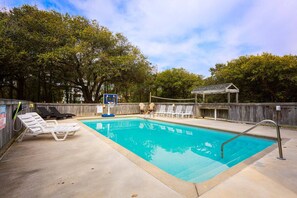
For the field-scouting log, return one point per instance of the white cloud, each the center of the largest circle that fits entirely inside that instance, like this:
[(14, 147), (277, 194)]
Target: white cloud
[(197, 34), (169, 31), (271, 26)]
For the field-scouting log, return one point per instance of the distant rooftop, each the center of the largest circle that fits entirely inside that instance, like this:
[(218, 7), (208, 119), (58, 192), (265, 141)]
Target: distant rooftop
[(216, 89)]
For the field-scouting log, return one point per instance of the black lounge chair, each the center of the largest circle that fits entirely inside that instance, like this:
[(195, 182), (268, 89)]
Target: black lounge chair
[(43, 112), (56, 113)]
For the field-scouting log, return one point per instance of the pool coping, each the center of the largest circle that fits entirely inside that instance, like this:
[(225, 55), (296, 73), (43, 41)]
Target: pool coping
[(185, 188)]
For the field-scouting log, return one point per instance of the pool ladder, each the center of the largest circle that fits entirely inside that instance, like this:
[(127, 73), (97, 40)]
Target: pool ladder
[(279, 140)]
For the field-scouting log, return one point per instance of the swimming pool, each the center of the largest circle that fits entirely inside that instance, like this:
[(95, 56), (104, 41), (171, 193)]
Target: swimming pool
[(189, 153)]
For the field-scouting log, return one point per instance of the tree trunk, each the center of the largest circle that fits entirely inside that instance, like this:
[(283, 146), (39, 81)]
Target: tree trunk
[(45, 90), (38, 87), (21, 88), (67, 94), (50, 95), (97, 95), (87, 95), (11, 89)]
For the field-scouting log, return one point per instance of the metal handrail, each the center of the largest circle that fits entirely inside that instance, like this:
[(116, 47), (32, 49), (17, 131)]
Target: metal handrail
[(279, 141)]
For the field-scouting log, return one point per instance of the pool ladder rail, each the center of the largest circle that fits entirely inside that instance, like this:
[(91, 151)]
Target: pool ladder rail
[(279, 140)]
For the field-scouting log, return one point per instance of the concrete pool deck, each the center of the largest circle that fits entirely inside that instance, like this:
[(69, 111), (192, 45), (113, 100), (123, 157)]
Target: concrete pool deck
[(86, 166)]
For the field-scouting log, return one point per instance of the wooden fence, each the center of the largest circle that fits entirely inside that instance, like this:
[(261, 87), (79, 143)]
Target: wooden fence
[(238, 112), (255, 112), (250, 112), (90, 109), (12, 129)]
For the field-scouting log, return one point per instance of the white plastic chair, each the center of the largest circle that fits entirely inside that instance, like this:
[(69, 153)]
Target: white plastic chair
[(169, 111), (161, 111), (178, 110), (34, 128), (188, 111)]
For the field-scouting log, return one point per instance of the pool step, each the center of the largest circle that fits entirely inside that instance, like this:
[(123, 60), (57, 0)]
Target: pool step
[(208, 168), (199, 169)]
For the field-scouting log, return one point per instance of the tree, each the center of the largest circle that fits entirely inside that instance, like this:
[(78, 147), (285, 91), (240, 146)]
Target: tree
[(45, 54), (94, 57), (26, 33), (261, 78), (177, 83)]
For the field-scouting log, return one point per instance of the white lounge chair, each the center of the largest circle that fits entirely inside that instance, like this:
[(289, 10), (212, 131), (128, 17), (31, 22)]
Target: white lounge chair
[(169, 111), (178, 110), (47, 123), (34, 128), (161, 111), (188, 112)]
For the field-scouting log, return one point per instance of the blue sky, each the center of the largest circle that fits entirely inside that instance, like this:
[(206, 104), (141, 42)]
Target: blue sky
[(193, 34)]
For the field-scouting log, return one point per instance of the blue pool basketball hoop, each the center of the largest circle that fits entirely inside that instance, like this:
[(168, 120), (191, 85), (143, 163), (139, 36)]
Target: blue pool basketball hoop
[(110, 100)]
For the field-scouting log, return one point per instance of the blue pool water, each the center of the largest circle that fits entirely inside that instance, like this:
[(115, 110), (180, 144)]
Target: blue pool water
[(189, 153)]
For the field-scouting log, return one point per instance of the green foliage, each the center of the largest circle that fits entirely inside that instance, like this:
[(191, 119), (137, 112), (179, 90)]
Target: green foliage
[(45, 53), (26, 34), (261, 78), (177, 83)]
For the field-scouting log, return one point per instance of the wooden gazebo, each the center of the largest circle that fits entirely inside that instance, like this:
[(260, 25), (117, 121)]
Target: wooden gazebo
[(226, 88)]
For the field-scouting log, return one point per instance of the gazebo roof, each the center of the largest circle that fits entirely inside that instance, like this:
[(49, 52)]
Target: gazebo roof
[(216, 89)]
